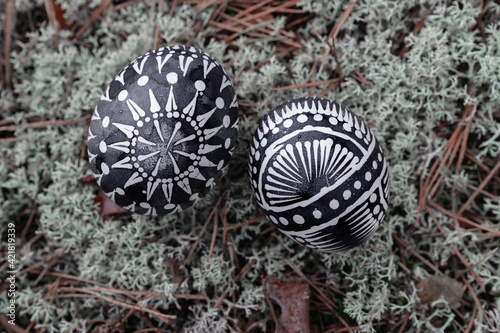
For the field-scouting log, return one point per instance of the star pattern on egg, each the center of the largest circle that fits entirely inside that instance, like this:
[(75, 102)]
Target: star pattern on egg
[(163, 131)]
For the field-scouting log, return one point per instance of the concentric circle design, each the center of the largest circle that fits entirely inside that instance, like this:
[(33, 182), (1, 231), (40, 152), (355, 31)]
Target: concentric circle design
[(320, 174), (164, 130)]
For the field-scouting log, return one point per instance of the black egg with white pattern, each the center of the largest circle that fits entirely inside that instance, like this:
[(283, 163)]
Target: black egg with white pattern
[(164, 130), (320, 174)]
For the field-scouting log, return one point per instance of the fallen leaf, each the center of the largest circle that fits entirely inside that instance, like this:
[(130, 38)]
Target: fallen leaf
[(173, 264), (108, 208), (433, 288)]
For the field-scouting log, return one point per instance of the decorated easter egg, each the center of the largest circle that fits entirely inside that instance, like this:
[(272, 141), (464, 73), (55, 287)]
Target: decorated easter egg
[(163, 131), (319, 174)]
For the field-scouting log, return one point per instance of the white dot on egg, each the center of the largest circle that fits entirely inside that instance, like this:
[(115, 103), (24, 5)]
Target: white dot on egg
[(317, 213), (176, 114), (373, 197), (172, 78), (105, 121), (347, 194), (358, 134), (143, 80), (122, 95), (357, 184), (147, 119), (219, 102), (302, 118), (368, 176), (273, 219), (104, 168), (226, 121), (283, 221), (298, 219), (220, 165), (375, 165), (333, 121), (287, 123), (227, 143), (103, 147), (334, 204), (376, 210), (379, 156), (263, 142), (140, 123), (200, 85), (276, 130), (318, 117), (136, 165), (257, 155)]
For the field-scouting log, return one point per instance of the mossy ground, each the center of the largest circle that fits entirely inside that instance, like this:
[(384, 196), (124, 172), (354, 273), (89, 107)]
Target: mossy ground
[(424, 75)]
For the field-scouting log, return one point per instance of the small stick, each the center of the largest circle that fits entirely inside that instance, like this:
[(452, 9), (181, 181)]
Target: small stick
[(268, 300), (328, 302), (236, 226), (135, 293), (202, 232), (157, 30), (336, 28), (124, 304), (306, 85), (480, 187), (416, 254), (495, 233), (95, 15), (9, 14), (214, 236), (44, 124), (243, 271)]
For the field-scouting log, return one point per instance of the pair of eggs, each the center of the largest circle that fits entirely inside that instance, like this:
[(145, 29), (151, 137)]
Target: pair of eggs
[(165, 128)]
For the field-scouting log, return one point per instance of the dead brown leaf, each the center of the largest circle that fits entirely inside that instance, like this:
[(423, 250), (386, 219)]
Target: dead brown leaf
[(108, 208), (173, 264), (433, 288)]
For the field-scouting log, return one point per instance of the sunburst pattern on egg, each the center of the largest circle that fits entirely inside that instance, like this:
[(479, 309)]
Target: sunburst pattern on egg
[(163, 131), (319, 174)]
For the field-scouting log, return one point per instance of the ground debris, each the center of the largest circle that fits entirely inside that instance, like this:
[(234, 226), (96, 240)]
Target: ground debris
[(292, 295), (440, 285)]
